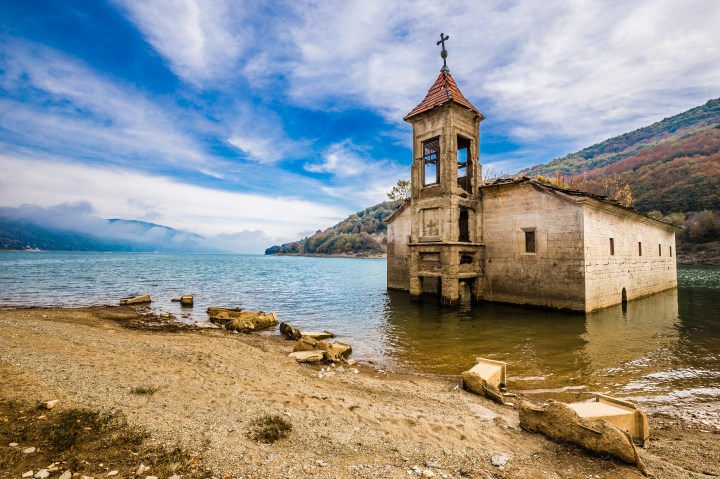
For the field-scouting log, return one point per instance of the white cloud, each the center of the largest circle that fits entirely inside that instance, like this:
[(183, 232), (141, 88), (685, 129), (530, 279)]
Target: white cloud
[(116, 193), (602, 68), (201, 39), (75, 111), (343, 159), (578, 71), (356, 175)]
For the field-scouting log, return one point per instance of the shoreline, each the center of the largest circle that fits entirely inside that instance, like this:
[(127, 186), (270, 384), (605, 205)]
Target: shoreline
[(685, 258), (211, 384), (320, 255)]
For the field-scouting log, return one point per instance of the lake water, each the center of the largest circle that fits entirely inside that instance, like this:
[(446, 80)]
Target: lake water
[(662, 351)]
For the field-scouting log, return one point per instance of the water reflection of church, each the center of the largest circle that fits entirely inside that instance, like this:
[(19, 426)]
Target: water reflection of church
[(518, 240)]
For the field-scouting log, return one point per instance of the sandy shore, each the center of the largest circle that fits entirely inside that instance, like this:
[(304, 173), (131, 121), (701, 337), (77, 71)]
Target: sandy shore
[(212, 384)]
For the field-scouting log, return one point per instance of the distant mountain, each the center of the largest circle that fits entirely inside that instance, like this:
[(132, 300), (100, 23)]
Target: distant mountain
[(113, 235), (671, 166), (360, 234)]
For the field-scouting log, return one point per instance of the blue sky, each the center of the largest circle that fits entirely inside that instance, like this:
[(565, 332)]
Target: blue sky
[(259, 123)]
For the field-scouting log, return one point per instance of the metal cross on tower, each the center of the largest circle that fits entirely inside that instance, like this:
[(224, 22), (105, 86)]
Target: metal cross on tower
[(444, 52)]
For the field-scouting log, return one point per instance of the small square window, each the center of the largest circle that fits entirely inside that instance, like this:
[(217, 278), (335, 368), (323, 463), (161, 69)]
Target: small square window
[(612, 246), (466, 259), (530, 241)]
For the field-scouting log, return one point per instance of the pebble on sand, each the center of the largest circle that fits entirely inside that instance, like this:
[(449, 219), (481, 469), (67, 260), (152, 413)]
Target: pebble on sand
[(42, 474), (113, 472), (66, 475), (28, 474), (28, 450), (499, 460), (13, 444)]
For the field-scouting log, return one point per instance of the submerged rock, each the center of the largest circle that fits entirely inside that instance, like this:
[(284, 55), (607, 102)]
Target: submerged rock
[(145, 298), (186, 300)]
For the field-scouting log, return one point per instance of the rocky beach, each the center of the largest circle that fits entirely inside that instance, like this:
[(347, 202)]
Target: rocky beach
[(191, 400)]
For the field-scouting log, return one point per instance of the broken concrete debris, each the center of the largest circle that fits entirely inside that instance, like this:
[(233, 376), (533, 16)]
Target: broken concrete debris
[(145, 298), (186, 300), (486, 378), (560, 422), (242, 321), (622, 414), (294, 333), (308, 356), (313, 341), (335, 350), (289, 332), (318, 334)]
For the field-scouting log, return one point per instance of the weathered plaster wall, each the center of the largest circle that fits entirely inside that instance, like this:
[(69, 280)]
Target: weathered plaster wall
[(553, 276), (607, 274), (398, 252)]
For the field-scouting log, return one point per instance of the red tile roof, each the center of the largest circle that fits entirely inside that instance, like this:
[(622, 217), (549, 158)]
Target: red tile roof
[(443, 90)]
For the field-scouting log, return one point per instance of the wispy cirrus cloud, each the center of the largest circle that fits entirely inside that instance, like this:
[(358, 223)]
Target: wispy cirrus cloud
[(55, 103), (577, 71), (200, 39)]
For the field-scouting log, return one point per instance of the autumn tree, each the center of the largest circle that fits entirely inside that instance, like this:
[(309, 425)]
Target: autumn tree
[(400, 193)]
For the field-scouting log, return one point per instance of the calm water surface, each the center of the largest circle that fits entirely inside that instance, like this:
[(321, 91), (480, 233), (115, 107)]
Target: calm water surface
[(662, 351)]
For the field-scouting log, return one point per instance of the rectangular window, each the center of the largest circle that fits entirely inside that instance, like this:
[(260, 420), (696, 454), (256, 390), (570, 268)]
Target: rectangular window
[(431, 165), (463, 156), (659, 250), (466, 259), (463, 226), (671, 251), (530, 241), (612, 246), (639, 248)]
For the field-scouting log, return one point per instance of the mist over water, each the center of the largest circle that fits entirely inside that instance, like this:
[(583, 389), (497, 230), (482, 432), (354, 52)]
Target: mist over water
[(662, 351)]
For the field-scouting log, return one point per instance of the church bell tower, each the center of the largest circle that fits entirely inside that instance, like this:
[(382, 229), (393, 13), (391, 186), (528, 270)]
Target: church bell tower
[(446, 226)]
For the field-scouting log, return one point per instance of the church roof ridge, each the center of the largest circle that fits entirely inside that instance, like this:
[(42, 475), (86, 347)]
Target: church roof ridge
[(516, 180), (442, 91)]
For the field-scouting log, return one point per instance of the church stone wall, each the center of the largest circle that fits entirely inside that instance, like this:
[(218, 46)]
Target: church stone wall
[(398, 231), (607, 274), (553, 276)]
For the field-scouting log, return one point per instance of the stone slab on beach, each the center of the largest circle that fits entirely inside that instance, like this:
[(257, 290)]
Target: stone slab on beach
[(308, 356), (145, 298)]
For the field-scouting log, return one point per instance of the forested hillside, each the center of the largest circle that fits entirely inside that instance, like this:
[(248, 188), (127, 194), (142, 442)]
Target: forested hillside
[(672, 168), (111, 235), (630, 144), (360, 234)]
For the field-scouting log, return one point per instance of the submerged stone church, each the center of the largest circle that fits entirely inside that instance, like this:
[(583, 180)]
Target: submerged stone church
[(517, 240)]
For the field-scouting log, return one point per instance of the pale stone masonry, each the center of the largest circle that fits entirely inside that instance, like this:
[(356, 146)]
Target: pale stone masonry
[(516, 241)]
